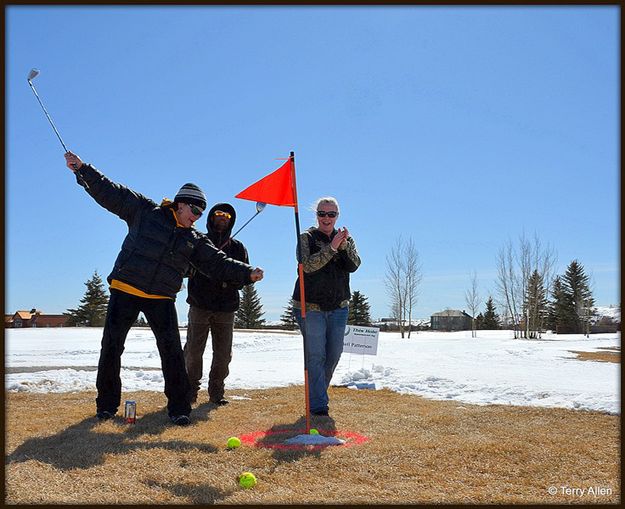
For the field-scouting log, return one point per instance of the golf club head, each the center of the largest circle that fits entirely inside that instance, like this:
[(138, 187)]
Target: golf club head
[(33, 74), (260, 206)]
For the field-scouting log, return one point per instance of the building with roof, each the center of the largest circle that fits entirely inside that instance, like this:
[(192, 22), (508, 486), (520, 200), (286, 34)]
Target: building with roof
[(33, 318), (450, 320)]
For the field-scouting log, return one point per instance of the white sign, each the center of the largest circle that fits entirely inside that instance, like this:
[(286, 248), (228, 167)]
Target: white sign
[(363, 340)]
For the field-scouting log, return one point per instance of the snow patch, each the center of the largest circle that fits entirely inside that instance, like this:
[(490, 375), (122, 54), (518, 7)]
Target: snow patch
[(493, 368), (314, 440)]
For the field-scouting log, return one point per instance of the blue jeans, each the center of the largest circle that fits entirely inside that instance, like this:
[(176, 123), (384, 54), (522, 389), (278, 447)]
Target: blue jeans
[(324, 335)]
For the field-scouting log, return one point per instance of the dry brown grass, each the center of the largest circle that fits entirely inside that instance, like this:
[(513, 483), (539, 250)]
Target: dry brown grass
[(609, 355), (419, 451)]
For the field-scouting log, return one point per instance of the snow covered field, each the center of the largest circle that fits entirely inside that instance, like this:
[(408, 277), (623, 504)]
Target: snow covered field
[(492, 368)]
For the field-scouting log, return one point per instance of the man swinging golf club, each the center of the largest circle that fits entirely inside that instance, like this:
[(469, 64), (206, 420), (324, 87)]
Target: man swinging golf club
[(157, 252)]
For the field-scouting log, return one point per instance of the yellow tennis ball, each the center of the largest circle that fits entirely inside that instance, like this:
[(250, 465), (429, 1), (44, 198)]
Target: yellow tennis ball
[(247, 480), (234, 442), (313, 431)]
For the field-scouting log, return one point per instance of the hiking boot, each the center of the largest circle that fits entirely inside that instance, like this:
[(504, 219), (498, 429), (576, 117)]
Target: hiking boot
[(219, 402), (104, 415), (180, 420)]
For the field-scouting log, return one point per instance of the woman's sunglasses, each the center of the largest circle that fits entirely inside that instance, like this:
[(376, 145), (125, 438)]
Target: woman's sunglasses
[(323, 213)]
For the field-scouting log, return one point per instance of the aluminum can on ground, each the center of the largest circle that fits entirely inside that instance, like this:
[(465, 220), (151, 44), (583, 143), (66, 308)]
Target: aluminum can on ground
[(130, 412)]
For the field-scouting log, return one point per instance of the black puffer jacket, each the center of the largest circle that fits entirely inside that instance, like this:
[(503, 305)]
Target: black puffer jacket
[(213, 294), (156, 253)]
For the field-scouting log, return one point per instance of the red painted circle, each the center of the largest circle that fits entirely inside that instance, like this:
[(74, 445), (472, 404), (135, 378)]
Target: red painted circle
[(253, 439)]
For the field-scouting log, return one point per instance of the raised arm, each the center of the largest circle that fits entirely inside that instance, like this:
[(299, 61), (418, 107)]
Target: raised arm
[(114, 197)]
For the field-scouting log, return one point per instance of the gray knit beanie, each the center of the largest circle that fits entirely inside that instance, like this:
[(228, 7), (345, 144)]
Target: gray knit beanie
[(190, 193)]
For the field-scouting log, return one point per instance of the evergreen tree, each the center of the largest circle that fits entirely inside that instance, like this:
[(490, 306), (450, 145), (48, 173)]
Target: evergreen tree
[(92, 309), (535, 305), (577, 285), (287, 319), (140, 321), (560, 317), (479, 322), (490, 320), (250, 310), (359, 310), (573, 304)]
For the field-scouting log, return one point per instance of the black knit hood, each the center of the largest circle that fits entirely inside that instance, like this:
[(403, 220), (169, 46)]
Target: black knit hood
[(216, 236), (218, 294)]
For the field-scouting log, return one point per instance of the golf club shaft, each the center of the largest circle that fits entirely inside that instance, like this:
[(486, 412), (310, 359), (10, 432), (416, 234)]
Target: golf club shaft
[(47, 115), (232, 236)]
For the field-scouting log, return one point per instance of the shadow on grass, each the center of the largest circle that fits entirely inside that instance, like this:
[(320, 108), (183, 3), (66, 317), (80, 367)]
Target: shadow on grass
[(202, 411), (195, 494), (275, 438), (83, 446)]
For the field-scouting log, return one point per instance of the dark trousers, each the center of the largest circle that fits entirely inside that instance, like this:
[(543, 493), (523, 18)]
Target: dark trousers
[(220, 325), (123, 310)]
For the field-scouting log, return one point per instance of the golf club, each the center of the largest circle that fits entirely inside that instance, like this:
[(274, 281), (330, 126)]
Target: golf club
[(260, 206), (31, 76)]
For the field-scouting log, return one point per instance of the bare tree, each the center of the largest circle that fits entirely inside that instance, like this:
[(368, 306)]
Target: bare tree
[(472, 298), (402, 280), (413, 279), (542, 264), (393, 281), (515, 271), (508, 286), (525, 269), (397, 316)]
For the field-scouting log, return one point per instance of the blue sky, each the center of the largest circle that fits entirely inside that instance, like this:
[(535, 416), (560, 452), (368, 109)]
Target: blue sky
[(459, 127)]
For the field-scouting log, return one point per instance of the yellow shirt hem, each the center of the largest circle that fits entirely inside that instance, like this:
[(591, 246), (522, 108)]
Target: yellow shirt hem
[(126, 288)]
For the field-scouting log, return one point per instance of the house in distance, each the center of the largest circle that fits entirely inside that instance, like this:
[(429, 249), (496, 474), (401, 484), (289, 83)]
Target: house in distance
[(450, 320), (33, 318)]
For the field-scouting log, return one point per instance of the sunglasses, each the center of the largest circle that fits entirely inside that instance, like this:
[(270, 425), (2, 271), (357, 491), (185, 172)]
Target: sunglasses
[(323, 213), (196, 211), (221, 213)]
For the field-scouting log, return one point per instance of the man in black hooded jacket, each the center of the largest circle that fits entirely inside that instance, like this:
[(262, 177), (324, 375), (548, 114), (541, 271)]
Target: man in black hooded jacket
[(213, 303)]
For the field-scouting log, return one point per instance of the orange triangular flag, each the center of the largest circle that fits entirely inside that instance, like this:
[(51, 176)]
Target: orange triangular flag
[(276, 188)]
